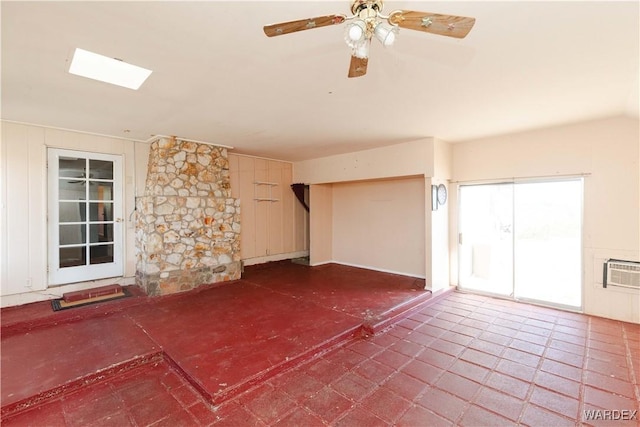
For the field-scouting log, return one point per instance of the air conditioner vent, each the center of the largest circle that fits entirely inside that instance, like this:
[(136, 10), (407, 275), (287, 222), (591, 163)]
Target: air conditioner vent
[(621, 273)]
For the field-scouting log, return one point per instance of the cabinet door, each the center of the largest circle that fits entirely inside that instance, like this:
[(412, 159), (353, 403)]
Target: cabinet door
[(261, 174), (276, 229), (288, 212), (246, 186)]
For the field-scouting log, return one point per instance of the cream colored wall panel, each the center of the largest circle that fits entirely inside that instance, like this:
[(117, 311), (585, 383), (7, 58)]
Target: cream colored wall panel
[(25, 232), (268, 227), (380, 225), (69, 140), (3, 211), (129, 190), (546, 152), (246, 189), (141, 155), (400, 160), (276, 208), (261, 174), (321, 224), (611, 193), (288, 211), (234, 175)]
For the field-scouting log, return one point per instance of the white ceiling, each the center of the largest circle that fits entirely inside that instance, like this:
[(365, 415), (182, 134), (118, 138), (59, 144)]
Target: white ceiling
[(217, 77)]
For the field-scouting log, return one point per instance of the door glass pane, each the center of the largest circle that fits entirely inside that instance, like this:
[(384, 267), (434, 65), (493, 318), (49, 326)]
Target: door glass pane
[(72, 234), (72, 211), (101, 254), (72, 189), (72, 167), (485, 250), (100, 169), (101, 190), (548, 228), (101, 211), (73, 257), (101, 233)]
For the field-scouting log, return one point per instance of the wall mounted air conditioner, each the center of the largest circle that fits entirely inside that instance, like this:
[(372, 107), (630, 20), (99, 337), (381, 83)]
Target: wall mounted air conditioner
[(625, 274)]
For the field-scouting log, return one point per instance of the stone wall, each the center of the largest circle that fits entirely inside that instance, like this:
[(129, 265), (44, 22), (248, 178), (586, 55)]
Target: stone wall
[(188, 225)]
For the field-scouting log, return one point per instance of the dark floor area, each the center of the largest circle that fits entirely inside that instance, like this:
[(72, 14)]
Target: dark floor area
[(285, 346)]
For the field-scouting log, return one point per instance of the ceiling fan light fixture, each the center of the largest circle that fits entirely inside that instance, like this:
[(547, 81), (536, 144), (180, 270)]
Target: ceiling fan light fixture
[(355, 32), (386, 33)]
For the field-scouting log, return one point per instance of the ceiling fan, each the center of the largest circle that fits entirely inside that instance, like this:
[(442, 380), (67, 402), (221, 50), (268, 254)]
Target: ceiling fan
[(82, 179), (367, 21)]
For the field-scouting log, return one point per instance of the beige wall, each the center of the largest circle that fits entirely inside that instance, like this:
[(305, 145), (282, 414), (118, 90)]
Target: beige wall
[(605, 151), (401, 175), (439, 219), (380, 225), (23, 227), (409, 159), (321, 223)]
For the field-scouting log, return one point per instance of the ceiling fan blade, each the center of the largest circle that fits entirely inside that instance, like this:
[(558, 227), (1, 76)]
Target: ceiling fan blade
[(302, 24), (358, 66), (444, 25)]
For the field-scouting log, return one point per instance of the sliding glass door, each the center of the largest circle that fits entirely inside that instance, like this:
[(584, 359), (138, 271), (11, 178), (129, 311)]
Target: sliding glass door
[(523, 240), (485, 239), (548, 242)]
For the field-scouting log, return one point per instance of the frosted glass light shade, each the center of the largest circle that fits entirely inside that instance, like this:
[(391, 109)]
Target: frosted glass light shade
[(385, 33), (355, 33)]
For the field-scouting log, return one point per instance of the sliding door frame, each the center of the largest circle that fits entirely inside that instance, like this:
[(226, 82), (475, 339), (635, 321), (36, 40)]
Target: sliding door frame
[(514, 181)]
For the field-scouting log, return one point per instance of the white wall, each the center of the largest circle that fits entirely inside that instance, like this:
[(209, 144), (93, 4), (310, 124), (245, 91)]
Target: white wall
[(439, 219), (380, 225), (320, 223), (607, 152), (23, 249), (409, 159)]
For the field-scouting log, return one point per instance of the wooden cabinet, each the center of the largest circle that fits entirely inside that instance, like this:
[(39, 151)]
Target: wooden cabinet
[(273, 222)]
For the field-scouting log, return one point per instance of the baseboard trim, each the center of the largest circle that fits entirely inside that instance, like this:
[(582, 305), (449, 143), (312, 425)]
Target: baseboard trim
[(277, 257), (381, 270)]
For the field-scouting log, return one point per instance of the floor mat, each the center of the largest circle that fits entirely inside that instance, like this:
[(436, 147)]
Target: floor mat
[(61, 304)]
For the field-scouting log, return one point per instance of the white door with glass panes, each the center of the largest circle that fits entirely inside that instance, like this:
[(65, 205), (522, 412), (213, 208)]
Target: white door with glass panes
[(85, 217)]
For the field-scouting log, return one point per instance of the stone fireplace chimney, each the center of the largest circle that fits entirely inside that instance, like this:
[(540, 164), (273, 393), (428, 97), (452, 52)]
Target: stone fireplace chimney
[(188, 226)]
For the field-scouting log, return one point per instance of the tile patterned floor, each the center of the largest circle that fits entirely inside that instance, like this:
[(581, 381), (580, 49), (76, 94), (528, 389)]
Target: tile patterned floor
[(464, 360)]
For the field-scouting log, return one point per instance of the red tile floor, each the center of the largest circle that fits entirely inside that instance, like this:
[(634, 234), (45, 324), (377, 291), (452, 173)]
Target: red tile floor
[(246, 353)]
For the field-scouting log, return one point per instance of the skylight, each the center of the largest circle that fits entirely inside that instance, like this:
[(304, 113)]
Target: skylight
[(109, 70)]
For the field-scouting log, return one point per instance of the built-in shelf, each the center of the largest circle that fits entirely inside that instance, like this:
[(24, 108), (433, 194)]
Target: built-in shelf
[(265, 199)]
